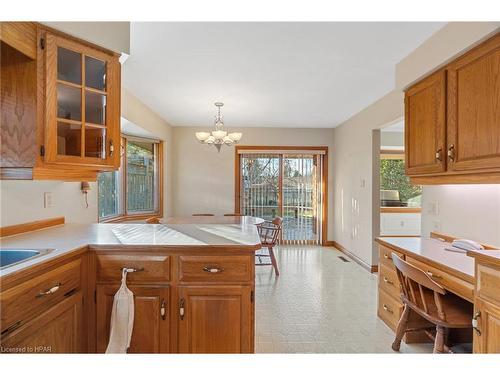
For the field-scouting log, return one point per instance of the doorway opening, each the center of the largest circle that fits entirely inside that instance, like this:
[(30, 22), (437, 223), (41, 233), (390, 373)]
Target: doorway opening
[(284, 181)]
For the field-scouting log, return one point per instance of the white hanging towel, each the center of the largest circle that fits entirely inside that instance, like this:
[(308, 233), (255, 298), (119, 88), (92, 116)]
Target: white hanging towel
[(122, 318)]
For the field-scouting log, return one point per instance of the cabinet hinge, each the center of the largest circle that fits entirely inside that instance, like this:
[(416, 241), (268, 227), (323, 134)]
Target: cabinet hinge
[(42, 43), (42, 150), (252, 296)]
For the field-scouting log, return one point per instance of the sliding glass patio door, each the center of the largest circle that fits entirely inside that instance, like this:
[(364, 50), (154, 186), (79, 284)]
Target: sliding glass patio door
[(287, 184)]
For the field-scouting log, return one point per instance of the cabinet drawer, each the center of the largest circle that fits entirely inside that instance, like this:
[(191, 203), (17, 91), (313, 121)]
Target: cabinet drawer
[(488, 283), (216, 268), (389, 309), (452, 283), (385, 256), (38, 294), (152, 268), (388, 280)]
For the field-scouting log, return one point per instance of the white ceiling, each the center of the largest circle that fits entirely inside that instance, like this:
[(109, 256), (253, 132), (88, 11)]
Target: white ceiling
[(268, 74)]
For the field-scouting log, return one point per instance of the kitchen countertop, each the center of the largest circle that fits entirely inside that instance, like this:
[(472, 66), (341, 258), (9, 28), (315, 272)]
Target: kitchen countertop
[(203, 232), (433, 250)]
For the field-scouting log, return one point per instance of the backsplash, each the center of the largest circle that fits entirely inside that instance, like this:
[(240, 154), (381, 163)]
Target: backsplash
[(470, 211), (23, 201)]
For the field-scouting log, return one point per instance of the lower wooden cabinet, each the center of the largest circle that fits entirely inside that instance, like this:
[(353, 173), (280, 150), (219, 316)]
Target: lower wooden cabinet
[(487, 335), (151, 333), (215, 319), (57, 330)]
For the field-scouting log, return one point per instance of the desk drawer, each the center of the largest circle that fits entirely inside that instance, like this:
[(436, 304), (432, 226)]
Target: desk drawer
[(452, 283), (385, 256), (216, 268), (389, 309), (388, 281), (153, 268), (38, 294)]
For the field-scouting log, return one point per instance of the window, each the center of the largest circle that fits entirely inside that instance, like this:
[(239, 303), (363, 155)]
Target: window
[(396, 188), (134, 191)]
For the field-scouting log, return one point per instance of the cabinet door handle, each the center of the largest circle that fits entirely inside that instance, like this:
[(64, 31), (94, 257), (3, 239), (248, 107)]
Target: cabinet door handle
[(434, 275), (163, 309), (132, 269), (386, 308), (181, 308), (386, 256), (451, 153), (387, 281), (439, 154), (213, 269), (475, 323), (52, 290), (111, 147)]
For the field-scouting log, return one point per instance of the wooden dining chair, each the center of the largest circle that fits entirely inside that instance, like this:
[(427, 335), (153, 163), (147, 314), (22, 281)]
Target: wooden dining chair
[(269, 232), (427, 305), (153, 220), (203, 215)]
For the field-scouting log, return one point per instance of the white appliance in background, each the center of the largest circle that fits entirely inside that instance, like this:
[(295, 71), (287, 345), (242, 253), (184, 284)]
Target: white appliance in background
[(407, 224), (462, 245)]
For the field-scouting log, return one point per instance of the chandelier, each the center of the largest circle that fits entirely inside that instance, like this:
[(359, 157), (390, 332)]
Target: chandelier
[(219, 136)]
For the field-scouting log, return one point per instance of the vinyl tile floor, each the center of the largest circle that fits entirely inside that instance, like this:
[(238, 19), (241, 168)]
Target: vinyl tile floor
[(320, 304)]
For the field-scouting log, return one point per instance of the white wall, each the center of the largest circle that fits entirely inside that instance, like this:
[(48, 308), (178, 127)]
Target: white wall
[(355, 156), (470, 211), (204, 179), (22, 201), (392, 139)]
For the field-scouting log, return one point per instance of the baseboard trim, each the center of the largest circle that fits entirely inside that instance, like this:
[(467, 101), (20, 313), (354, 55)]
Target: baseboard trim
[(355, 258)]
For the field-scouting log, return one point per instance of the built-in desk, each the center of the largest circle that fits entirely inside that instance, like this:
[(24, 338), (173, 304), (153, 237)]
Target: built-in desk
[(474, 276)]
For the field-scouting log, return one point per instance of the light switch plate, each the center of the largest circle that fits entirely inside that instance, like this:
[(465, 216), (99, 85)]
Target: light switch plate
[(48, 200)]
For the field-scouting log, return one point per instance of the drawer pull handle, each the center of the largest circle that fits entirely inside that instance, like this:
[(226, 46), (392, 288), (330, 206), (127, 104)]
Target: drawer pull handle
[(52, 290), (163, 310), (181, 308), (387, 281), (475, 323), (434, 275), (386, 308), (131, 269), (213, 269), (13, 327)]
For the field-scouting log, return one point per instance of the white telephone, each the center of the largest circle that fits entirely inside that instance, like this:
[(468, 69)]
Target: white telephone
[(462, 245)]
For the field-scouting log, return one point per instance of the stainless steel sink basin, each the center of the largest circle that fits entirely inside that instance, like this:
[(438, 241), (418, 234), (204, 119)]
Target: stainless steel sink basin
[(10, 257)]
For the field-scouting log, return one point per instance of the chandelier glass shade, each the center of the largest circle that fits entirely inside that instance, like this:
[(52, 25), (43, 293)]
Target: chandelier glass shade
[(218, 136)]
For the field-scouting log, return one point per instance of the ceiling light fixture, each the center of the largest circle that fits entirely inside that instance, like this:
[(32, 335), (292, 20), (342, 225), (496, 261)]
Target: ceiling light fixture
[(219, 136)]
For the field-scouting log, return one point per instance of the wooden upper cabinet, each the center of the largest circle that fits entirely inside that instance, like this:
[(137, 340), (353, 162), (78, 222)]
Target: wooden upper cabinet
[(151, 332), (82, 103), (216, 319), (474, 109), (425, 126)]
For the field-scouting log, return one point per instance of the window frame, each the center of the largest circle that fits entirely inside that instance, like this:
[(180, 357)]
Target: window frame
[(124, 215)]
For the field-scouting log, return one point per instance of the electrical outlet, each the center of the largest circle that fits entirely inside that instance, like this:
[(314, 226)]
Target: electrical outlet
[(436, 226), (48, 200)]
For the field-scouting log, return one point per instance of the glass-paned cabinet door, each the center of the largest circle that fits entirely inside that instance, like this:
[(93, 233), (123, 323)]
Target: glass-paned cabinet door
[(78, 92)]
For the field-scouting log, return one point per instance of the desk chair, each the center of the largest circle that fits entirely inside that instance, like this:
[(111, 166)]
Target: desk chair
[(427, 305), (269, 232)]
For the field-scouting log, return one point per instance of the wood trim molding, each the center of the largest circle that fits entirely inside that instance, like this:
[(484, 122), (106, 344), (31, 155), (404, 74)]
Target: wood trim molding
[(449, 238), (12, 230), (400, 210), (324, 178), (455, 178), (355, 258)]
